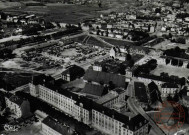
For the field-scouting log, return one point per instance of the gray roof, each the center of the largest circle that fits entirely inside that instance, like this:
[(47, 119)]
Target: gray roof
[(50, 122), (104, 77), (93, 89)]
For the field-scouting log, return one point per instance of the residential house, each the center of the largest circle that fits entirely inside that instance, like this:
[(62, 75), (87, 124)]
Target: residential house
[(138, 50), (131, 17), (112, 97), (120, 107), (118, 53), (19, 107), (51, 126), (169, 88), (114, 123)]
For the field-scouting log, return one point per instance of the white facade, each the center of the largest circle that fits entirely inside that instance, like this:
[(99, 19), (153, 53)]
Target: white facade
[(61, 102), (111, 126), (99, 120), (167, 91), (146, 80), (97, 68), (14, 108)]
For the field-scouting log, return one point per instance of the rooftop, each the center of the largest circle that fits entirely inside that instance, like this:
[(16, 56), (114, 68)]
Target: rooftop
[(16, 100), (110, 65), (119, 90), (119, 105), (55, 125), (140, 92), (169, 85), (108, 97), (129, 114), (93, 89), (133, 123), (104, 77)]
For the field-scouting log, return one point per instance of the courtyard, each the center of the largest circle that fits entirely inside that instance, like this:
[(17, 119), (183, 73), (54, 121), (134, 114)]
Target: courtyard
[(171, 70)]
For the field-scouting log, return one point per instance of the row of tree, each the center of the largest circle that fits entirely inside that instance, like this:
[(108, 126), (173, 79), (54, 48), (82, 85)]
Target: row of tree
[(146, 68), (175, 52), (6, 54)]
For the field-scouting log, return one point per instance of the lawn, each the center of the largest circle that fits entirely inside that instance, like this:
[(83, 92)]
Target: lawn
[(117, 42), (181, 72)]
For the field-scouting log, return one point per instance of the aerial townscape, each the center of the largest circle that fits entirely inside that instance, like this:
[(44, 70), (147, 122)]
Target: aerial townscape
[(94, 67)]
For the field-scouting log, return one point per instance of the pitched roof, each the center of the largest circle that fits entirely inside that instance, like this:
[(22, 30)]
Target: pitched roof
[(106, 98), (169, 85), (89, 105), (50, 122), (104, 77), (17, 100), (139, 48), (74, 70), (93, 89), (132, 123), (158, 78), (140, 92)]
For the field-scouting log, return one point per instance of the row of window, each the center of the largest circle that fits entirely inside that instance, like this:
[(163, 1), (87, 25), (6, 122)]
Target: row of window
[(63, 103)]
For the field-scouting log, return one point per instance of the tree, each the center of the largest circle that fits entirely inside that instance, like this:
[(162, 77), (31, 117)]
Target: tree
[(100, 5), (176, 97), (122, 69), (158, 10), (79, 25), (98, 32), (182, 81), (180, 63), (167, 61), (183, 92), (128, 57), (174, 62), (111, 85), (131, 63), (169, 98)]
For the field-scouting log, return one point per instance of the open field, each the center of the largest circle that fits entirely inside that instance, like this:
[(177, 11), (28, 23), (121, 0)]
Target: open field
[(181, 72), (117, 42), (74, 14), (7, 4), (168, 45)]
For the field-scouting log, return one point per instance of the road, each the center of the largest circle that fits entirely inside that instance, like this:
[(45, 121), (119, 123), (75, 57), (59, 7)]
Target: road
[(138, 109)]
